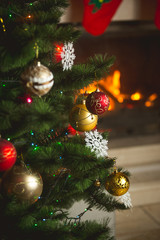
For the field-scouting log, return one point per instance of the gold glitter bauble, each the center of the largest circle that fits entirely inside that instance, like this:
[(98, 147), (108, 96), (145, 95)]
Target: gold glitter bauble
[(81, 119), (25, 185), (117, 183), (37, 79), (97, 183)]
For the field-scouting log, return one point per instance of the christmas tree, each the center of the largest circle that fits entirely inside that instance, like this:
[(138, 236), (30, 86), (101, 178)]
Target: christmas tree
[(44, 167)]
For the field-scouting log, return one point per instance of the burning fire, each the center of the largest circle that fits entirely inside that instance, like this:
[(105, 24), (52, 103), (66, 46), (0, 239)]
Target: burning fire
[(136, 96), (151, 99), (112, 85)]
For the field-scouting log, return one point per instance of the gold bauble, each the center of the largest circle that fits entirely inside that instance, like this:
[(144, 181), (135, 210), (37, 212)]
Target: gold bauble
[(24, 184), (97, 183), (37, 79), (117, 183), (81, 119)]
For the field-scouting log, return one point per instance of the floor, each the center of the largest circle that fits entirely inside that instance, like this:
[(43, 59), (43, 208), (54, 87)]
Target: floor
[(140, 156), (139, 223)]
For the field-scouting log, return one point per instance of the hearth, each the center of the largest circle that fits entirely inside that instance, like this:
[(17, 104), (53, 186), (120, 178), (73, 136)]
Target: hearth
[(133, 85)]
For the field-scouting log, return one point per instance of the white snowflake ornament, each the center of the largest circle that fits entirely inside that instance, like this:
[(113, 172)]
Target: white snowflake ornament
[(67, 56), (96, 143), (126, 200)]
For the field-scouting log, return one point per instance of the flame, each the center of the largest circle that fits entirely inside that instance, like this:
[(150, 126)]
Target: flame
[(151, 99), (148, 104), (112, 85), (136, 96), (89, 89), (111, 105)]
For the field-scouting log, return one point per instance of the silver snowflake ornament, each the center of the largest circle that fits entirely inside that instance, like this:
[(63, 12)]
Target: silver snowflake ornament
[(67, 56), (96, 143), (126, 200)]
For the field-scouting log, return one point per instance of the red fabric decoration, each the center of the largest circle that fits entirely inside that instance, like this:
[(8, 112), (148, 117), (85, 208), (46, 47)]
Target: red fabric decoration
[(71, 130), (58, 50), (8, 155), (97, 22), (157, 15), (97, 102)]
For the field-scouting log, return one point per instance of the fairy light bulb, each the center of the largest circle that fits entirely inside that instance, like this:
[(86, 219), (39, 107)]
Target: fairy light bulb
[(29, 16), (29, 100)]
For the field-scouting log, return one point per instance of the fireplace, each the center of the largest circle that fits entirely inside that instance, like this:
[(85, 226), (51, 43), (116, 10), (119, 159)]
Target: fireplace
[(133, 85)]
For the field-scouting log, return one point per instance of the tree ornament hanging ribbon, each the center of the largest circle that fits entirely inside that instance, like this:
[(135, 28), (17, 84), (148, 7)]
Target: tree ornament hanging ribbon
[(36, 47)]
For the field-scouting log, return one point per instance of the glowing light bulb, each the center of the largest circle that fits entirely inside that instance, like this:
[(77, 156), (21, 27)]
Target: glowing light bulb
[(29, 16), (29, 100)]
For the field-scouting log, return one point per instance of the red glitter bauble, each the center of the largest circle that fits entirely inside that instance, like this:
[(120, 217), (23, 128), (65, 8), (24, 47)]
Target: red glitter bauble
[(8, 155), (97, 102)]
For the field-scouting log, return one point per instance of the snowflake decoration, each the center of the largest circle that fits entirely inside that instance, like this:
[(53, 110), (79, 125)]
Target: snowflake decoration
[(67, 56), (126, 200), (96, 143)]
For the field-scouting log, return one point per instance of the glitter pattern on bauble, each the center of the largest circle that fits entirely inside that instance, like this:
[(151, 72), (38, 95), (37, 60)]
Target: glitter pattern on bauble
[(37, 79), (117, 183), (97, 102), (81, 119), (25, 185), (8, 155)]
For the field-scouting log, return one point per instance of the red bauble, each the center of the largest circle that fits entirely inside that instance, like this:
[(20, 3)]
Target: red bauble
[(8, 155), (97, 102), (58, 50)]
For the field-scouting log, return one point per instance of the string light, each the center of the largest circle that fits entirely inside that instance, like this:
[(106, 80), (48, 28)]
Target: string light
[(36, 148), (29, 17), (4, 29), (29, 100), (8, 139)]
